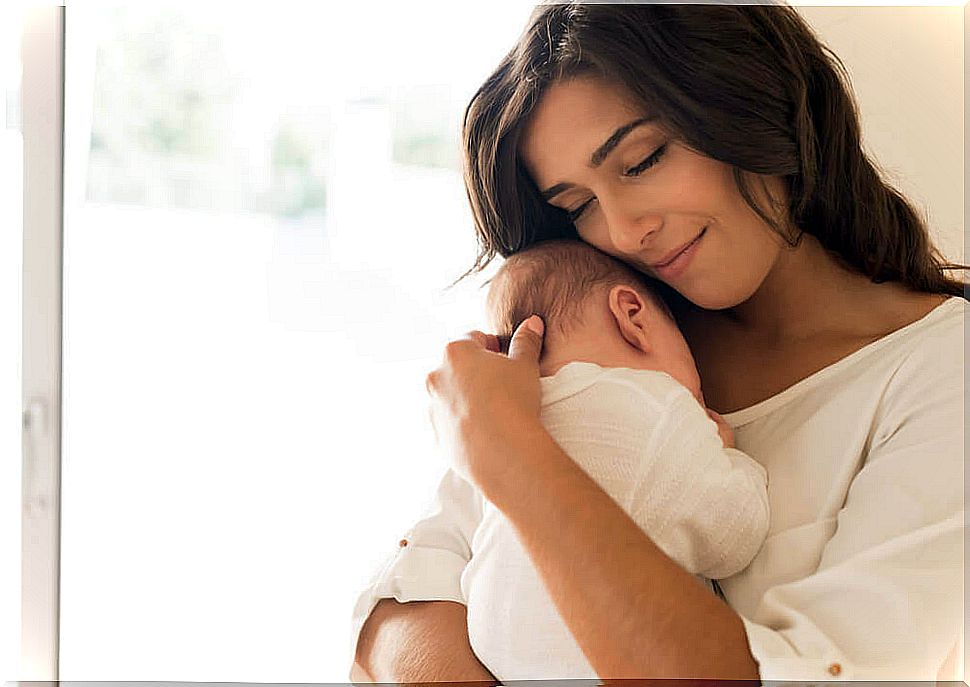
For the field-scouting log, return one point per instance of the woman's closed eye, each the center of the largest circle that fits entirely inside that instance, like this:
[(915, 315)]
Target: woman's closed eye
[(578, 212), (648, 162), (635, 171)]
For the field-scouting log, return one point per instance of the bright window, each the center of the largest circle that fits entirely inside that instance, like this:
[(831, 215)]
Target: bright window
[(264, 208)]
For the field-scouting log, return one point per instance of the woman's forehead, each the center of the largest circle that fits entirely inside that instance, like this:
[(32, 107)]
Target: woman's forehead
[(572, 119)]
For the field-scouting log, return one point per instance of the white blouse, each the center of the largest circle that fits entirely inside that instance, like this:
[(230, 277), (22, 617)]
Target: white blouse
[(861, 574)]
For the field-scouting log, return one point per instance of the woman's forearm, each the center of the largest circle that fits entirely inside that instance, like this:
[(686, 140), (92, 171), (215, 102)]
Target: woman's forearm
[(634, 611), (420, 641)]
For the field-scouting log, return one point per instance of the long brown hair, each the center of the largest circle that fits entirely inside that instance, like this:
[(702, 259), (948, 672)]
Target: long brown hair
[(749, 85)]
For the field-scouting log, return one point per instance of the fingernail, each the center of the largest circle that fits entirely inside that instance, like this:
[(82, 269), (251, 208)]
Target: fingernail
[(535, 324)]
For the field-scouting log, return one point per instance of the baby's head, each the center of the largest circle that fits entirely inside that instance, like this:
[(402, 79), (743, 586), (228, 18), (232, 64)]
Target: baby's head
[(596, 309)]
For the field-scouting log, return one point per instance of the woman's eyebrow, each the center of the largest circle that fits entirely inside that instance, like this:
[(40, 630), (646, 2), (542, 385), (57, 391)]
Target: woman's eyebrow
[(613, 141), (600, 154)]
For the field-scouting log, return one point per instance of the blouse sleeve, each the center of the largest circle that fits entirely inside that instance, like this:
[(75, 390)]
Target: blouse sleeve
[(430, 558), (886, 601)]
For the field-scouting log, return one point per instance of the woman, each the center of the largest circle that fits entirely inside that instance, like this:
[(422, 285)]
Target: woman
[(717, 149)]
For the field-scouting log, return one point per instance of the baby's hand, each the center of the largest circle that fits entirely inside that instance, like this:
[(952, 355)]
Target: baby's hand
[(723, 428)]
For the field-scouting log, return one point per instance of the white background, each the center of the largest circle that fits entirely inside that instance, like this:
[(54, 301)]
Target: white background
[(241, 448)]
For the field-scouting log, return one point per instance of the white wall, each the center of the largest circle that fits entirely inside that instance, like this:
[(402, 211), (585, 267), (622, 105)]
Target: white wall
[(906, 67)]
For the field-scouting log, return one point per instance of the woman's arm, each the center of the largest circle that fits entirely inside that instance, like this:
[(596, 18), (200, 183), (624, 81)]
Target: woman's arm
[(634, 611), (420, 641), (405, 642)]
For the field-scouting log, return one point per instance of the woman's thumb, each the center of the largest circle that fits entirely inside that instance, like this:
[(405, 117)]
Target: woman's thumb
[(526, 342)]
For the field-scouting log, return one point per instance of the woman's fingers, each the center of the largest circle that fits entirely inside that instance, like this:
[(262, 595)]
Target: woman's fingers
[(476, 394), (489, 342), (526, 342), (492, 343)]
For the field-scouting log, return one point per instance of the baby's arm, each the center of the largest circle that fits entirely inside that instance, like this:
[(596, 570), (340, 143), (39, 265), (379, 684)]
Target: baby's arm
[(664, 462), (715, 508)]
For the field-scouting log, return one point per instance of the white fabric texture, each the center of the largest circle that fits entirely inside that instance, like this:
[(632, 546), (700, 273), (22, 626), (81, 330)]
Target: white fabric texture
[(650, 445), (861, 574)]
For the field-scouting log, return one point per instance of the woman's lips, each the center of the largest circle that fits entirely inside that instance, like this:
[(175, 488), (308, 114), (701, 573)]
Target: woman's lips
[(680, 260)]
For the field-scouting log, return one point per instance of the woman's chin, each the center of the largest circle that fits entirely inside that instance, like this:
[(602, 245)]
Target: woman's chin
[(711, 299)]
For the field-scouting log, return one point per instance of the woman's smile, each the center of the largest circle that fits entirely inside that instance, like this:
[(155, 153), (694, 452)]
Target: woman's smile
[(675, 266)]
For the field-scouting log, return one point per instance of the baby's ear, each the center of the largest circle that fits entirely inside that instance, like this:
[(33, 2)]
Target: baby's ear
[(632, 313), (628, 303)]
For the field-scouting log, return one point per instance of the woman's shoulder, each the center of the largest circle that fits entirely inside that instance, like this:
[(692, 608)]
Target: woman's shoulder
[(900, 309), (934, 346), (927, 362), (918, 359), (939, 329), (926, 341), (918, 420)]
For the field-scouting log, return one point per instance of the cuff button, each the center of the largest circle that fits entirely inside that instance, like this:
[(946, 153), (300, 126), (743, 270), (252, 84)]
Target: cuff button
[(404, 542), (835, 669)]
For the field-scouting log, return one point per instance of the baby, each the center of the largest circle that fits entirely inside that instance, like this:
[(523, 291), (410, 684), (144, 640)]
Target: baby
[(621, 395)]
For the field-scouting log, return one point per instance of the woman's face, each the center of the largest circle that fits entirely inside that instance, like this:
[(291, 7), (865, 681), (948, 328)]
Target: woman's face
[(637, 194)]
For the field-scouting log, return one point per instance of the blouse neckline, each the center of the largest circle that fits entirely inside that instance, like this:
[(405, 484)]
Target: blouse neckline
[(762, 408)]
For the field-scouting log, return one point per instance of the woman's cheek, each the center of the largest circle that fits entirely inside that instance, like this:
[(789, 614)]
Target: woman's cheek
[(595, 232)]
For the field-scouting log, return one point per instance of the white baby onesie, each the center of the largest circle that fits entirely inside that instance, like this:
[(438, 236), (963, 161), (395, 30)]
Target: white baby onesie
[(650, 445)]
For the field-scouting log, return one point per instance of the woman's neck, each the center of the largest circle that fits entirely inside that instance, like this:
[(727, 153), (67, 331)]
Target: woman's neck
[(807, 291)]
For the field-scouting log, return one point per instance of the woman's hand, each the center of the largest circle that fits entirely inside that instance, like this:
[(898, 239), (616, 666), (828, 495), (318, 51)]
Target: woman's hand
[(479, 395)]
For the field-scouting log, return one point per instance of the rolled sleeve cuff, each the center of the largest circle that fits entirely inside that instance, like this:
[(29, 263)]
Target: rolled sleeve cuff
[(415, 573), (779, 663)]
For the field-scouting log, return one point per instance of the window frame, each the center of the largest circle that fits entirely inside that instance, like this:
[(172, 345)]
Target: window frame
[(42, 99)]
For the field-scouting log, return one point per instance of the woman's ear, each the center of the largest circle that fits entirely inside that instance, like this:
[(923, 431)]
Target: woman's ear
[(632, 315)]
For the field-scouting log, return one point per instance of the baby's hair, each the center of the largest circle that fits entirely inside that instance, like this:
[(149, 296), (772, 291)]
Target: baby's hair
[(553, 279)]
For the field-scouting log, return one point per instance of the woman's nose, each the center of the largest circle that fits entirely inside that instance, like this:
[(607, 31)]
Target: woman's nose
[(630, 231)]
